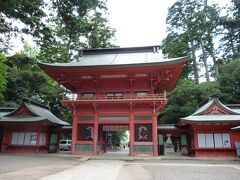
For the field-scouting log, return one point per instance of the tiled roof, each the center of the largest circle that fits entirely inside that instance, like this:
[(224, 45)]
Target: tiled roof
[(199, 116), (210, 118), (45, 113), (117, 60), (40, 112), (21, 119), (213, 101), (5, 110), (118, 57)]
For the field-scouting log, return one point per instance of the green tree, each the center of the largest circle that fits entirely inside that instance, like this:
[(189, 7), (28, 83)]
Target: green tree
[(75, 24), (100, 34), (230, 82), (174, 46), (26, 14), (61, 29), (207, 20), (119, 137), (29, 51), (3, 73), (180, 20), (26, 80), (230, 42), (194, 25), (184, 99)]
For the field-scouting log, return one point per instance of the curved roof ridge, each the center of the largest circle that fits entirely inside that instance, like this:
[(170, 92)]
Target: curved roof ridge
[(15, 110), (43, 112), (38, 112), (110, 60), (200, 115), (228, 109), (209, 104), (204, 107)]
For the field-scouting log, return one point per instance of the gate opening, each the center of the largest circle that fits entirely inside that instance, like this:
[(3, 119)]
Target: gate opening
[(116, 139)]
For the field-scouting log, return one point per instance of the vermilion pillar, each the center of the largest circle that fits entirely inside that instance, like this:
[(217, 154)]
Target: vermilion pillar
[(6, 139), (195, 135), (95, 132), (74, 132), (131, 134), (101, 138), (154, 134)]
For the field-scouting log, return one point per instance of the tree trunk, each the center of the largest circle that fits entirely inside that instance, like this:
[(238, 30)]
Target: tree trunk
[(195, 68), (214, 63), (231, 31), (204, 60), (209, 36)]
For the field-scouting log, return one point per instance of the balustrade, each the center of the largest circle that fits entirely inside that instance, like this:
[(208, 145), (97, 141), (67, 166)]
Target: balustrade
[(115, 98)]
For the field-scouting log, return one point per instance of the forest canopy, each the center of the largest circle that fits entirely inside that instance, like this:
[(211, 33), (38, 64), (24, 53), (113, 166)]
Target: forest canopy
[(205, 32)]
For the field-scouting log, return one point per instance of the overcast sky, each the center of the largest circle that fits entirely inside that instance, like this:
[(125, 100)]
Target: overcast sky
[(137, 22), (141, 22)]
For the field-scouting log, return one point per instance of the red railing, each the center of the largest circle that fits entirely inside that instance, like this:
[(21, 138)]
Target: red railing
[(161, 97)]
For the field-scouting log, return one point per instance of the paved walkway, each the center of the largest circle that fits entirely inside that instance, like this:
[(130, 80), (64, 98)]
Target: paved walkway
[(119, 153), (142, 170), (66, 166), (90, 170)]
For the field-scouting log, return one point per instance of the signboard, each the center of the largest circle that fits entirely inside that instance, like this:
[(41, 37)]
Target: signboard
[(115, 128)]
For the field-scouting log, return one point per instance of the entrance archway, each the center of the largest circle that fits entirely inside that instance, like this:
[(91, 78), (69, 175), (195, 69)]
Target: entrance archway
[(116, 139)]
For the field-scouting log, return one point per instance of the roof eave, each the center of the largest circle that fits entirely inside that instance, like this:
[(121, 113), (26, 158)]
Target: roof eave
[(170, 62), (210, 121)]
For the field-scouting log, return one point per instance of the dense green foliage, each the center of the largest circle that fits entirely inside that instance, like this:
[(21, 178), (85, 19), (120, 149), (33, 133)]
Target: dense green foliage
[(230, 42), (26, 80), (194, 26), (3, 73), (230, 82), (187, 95), (18, 17), (119, 138), (60, 29), (72, 26), (184, 99)]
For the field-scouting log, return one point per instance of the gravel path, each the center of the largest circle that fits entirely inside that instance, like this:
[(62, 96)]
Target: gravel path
[(58, 167), (162, 170), (90, 170), (24, 167)]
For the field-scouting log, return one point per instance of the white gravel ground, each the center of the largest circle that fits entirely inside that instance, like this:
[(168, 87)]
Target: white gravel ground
[(52, 167)]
